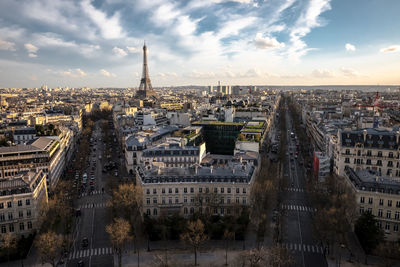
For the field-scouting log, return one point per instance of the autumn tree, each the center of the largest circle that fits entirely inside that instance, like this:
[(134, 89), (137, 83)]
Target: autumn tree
[(49, 246), (9, 243), (120, 233), (195, 236), (278, 256), (253, 258)]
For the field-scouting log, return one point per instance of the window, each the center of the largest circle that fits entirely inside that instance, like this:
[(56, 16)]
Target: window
[(21, 226), (368, 162), (390, 163), (176, 191), (9, 204), (358, 152), (379, 162), (154, 211), (370, 200), (222, 200), (29, 225), (163, 190), (397, 215), (369, 153), (185, 190), (229, 190), (380, 213), (222, 190), (237, 200), (380, 202), (191, 190), (170, 190), (155, 200), (154, 191), (244, 190), (170, 200), (388, 214), (163, 200), (148, 200), (28, 213), (207, 190), (347, 151), (387, 226), (148, 212), (20, 214), (397, 204), (389, 203), (10, 216), (346, 160), (19, 203), (2, 218), (185, 210), (215, 190), (185, 199), (379, 224), (244, 200), (1, 205), (395, 227), (369, 210), (147, 191), (27, 202), (3, 229), (11, 228), (176, 200), (361, 210), (200, 190), (362, 199), (237, 190), (379, 153), (192, 200), (192, 210)]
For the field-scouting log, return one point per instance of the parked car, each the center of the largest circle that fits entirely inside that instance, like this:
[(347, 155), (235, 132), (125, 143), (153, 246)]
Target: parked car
[(85, 242)]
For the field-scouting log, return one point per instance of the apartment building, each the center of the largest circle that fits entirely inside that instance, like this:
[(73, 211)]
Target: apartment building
[(20, 200), (375, 149), (187, 190), (379, 195), (43, 153), (173, 153)]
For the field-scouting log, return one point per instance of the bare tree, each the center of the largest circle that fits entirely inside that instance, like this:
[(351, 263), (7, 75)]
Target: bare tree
[(49, 246), (195, 235), (9, 243), (119, 232)]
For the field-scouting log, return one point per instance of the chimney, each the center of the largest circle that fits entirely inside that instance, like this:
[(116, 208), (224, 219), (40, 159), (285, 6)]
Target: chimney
[(365, 135), (211, 169)]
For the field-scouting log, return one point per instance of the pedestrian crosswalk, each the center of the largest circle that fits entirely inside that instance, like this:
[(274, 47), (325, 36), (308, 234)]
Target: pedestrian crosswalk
[(294, 189), (96, 192), (303, 247), (90, 252), (298, 208), (93, 205)]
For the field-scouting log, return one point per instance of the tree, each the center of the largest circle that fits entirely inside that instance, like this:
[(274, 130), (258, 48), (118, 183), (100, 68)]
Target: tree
[(195, 235), (254, 258), (368, 232), (278, 256), (119, 232), (49, 246), (9, 243), (228, 235)]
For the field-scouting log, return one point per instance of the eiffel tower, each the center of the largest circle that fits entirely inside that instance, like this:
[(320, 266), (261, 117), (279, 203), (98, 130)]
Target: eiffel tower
[(145, 88)]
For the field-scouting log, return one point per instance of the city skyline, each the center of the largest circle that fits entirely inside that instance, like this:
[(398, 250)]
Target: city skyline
[(293, 42)]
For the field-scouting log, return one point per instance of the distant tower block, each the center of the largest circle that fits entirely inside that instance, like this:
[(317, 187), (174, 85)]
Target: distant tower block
[(145, 88)]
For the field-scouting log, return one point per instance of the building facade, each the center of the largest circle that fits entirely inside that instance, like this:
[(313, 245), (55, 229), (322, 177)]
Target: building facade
[(20, 202)]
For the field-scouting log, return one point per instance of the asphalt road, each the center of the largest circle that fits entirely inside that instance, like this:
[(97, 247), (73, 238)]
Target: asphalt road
[(297, 233), (94, 215)]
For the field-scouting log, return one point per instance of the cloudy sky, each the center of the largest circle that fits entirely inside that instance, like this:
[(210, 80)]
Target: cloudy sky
[(98, 43)]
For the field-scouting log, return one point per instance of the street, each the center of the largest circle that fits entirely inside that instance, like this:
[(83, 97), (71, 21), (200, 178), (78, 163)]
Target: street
[(297, 233), (94, 215)]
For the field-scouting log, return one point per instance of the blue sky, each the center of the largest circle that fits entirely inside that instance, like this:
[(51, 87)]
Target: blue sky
[(99, 43)]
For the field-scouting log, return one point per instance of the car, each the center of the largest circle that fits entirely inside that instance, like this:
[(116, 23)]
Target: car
[(91, 182), (80, 263), (85, 242), (78, 212)]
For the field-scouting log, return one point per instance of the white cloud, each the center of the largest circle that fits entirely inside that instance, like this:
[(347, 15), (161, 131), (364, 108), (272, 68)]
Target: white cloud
[(5, 45), (33, 55), (75, 73), (31, 48), (349, 72), (165, 14), (234, 26), (267, 42), (323, 73), (119, 51), (133, 50), (110, 28), (350, 47), (107, 74), (308, 19), (389, 49)]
